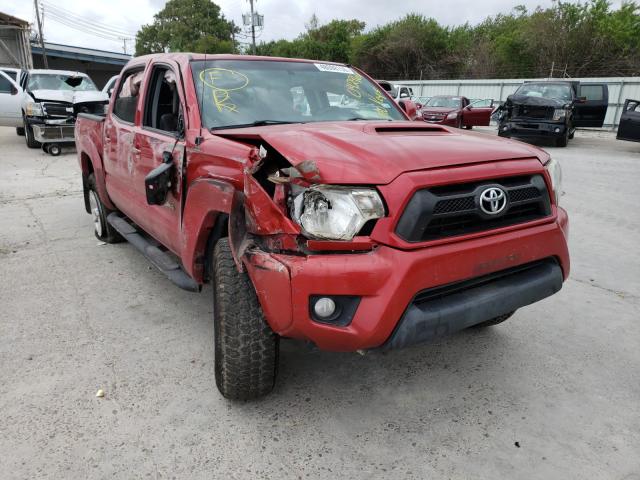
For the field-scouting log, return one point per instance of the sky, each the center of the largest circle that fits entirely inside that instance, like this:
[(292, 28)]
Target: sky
[(282, 18)]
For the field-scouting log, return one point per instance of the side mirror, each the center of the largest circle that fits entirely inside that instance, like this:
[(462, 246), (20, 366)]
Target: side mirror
[(158, 182), (409, 108), (110, 91), (14, 90), (468, 107)]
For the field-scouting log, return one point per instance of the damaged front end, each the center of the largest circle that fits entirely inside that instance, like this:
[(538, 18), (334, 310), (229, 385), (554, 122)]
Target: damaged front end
[(523, 115), (287, 209)]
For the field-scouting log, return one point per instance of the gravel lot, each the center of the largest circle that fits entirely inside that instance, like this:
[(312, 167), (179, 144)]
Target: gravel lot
[(552, 394)]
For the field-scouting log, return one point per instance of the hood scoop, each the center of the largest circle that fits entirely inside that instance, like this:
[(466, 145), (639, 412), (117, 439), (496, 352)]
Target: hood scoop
[(410, 130)]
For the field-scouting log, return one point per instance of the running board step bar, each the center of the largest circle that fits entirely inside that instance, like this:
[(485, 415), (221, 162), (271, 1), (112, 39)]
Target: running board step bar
[(161, 260)]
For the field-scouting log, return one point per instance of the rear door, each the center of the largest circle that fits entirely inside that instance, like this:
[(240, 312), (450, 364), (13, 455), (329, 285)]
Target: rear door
[(591, 109), (629, 127), (10, 100)]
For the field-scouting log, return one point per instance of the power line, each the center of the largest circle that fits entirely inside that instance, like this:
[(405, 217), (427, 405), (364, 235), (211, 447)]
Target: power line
[(94, 24)]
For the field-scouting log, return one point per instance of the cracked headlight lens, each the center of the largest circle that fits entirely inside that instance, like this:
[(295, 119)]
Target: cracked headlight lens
[(555, 172), (334, 212)]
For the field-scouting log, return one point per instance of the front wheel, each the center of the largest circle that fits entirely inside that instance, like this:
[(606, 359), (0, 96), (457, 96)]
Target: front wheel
[(20, 131), (29, 137), (246, 349), (563, 140)]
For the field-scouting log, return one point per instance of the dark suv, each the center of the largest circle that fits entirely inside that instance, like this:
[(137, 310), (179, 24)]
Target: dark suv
[(553, 109)]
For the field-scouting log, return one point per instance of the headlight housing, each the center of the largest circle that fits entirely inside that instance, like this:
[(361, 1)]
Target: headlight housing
[(452, 116), (559, 114), (555, 172), (335, 212), (34, 109)]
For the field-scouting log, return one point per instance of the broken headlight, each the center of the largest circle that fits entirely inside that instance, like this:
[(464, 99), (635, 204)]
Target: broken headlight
[(33, 109), (555, 172), (333, 212), (559, 114)]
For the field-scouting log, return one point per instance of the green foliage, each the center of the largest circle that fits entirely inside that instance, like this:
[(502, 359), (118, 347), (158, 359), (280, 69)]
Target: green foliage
[(187, 26), (578, 39)]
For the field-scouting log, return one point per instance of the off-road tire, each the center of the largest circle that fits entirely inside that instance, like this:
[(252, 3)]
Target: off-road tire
[(495, 321), (246, 349), (29, 138), (20, 131), (106, 232)]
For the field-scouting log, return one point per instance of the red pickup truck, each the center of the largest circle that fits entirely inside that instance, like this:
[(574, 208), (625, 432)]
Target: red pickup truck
[(345, 225)]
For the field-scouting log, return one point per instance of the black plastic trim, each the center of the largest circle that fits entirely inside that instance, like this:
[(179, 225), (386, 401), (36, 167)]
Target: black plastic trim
[(441, 311), (346, 306)]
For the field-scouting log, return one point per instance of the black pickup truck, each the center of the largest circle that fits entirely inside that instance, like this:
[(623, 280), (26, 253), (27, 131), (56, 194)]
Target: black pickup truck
[(553, 109)]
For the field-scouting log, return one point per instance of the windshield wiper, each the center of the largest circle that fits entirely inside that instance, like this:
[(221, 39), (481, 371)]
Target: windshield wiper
[(353, 119), (257, 123)]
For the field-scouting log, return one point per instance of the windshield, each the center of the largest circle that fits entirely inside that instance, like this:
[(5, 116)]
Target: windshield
[(245, 92), (556, 91), (50, 81), (449, 102)]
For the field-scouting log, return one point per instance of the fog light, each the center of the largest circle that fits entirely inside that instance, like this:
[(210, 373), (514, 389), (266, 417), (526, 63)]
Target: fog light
[(557, 130), (324, 307)]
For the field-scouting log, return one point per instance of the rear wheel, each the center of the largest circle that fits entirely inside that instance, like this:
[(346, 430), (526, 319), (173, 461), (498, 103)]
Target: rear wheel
[(103, 231), (246, 349), (495, 321)]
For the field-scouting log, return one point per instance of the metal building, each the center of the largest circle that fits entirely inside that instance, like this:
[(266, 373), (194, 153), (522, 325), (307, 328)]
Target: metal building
[(15, 49)]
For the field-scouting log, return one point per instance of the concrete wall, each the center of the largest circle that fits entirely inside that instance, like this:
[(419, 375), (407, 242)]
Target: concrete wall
[(620, 88)]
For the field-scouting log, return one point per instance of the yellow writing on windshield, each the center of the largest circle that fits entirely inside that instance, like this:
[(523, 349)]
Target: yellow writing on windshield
[(222, 81), (353, 85), (380, 102)]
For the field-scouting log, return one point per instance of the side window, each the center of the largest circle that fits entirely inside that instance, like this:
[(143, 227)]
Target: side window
[(5, 85), (592, 92), (125, 105), (633, 106), (162, 106), (404, 92)]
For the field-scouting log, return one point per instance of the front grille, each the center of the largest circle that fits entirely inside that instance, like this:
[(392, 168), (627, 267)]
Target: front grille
[(57, 109), (452, 210), (528, 111)]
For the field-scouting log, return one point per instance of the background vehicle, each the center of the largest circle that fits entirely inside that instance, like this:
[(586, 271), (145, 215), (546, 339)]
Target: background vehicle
[(396, 92), (455, 111), (553, 109), (51, 99), (10, 102), (344, 225), (629, 127), (110, 85)]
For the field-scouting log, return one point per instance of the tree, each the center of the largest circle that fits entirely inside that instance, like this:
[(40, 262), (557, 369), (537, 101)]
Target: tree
[(187, 26)]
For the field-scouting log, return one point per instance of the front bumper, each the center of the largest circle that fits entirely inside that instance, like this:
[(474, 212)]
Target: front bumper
[(532, 129), (388, 279)]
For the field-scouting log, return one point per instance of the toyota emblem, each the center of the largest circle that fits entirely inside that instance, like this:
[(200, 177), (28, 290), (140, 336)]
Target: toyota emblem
[(493, 200)]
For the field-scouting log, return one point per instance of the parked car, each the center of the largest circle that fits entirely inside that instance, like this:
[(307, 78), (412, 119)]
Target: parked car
[(629, 127), (553, 109), (10, 101), (109, 86), (50, 101), (351, 228), (396, 92), (455, 111)]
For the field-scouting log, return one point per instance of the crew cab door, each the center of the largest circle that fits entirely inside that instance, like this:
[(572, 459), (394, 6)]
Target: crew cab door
[(591, 108), (629, 127), (160, 133), (10, 101), (476, 113), (120, 153)]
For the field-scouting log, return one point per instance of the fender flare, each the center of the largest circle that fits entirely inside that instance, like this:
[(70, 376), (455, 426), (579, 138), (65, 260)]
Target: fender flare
[(205, 216)]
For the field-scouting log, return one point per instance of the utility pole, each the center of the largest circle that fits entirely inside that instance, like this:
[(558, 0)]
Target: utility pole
[(253, 28), (44, 52)]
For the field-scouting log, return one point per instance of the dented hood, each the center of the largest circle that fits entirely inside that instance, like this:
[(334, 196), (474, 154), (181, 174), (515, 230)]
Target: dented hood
[(69, 96), (377, 152), (534, 101)]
